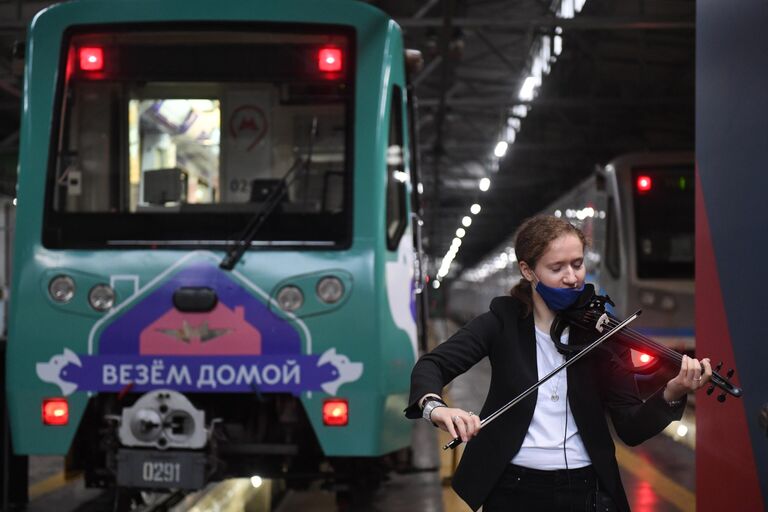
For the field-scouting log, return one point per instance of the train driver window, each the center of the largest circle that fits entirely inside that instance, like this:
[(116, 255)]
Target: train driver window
[(156, 149), (396, 176), (174, 147), (664, 222)]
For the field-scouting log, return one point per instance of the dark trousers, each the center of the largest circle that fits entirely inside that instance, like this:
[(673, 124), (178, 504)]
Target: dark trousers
[(525, 489)]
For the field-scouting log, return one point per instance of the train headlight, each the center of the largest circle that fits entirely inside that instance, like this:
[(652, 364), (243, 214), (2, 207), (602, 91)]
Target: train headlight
[(62, 289), (330, 289), (656, 300), (647, 298), (101, 297), (290, 298), (667, 303)]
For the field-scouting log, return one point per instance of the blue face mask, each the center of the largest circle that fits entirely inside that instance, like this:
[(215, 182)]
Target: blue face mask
[(558, 299)]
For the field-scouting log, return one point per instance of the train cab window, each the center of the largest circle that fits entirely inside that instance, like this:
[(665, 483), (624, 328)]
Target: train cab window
[(181, 136), (664, 222), (397, 216)]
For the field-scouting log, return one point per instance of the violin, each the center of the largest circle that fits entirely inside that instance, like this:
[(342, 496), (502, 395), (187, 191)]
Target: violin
[(589, 315), (569, 361)]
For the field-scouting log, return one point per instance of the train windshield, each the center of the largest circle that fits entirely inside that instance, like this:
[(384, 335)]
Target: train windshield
[(180, 136), (664, 222)]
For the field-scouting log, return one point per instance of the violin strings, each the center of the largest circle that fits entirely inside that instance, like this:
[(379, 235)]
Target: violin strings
[(669, 353), (590, 320), (717, 379), (643, 340)]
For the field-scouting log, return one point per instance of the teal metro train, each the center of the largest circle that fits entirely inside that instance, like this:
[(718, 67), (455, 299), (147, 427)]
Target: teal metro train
[(217, 265)]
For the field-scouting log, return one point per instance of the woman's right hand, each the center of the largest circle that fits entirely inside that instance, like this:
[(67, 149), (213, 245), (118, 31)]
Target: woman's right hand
[(457, 422)]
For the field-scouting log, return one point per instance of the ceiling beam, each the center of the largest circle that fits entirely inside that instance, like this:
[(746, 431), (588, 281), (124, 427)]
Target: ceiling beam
[(10, 141), (12, 89), (578, 23), (459, 147), (513, 66), (507, 101), (428, 69), (424, 9)]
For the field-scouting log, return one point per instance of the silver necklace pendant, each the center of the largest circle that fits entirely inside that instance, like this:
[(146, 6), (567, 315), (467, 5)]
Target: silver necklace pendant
[(555, 397)]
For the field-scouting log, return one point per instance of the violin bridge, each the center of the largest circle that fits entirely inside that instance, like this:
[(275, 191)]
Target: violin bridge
[(601, 322)]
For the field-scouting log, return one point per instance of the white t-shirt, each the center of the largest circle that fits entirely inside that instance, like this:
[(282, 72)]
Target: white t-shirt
[(543, 444)]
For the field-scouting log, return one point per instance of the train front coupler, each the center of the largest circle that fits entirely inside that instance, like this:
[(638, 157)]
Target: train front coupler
[(163, 439)]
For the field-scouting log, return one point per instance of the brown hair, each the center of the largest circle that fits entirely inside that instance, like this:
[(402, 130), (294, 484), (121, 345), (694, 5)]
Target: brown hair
[(532, 239)]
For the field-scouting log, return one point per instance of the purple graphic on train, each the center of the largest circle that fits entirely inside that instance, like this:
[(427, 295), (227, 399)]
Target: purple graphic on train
[(240, 323), (239, 346), (231, 374)]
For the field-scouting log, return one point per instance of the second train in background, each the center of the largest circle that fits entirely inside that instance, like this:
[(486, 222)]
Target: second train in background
[(638, 211)]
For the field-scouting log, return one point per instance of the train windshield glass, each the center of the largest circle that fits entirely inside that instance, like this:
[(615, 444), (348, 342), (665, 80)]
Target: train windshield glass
[(664, 222), (180, 137)]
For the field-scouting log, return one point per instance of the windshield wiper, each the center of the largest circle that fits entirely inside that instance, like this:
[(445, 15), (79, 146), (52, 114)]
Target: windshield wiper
[(238, 248)]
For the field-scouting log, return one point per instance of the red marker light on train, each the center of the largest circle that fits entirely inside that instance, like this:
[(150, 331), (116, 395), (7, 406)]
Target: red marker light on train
[(55, 411), (335, 412), (329, 60), (643, 184), (91, 58), (645, 358)]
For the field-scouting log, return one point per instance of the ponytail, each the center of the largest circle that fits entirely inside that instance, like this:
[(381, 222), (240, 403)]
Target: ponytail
[(522, 291)]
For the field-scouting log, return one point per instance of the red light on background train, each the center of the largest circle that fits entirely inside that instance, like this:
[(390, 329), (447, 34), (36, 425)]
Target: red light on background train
[(335, 412), (644, 184), (55, 411), (91, 58), (329, 60)]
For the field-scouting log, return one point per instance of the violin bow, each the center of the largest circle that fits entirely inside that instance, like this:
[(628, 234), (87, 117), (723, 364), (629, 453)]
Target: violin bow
[(589, 348)]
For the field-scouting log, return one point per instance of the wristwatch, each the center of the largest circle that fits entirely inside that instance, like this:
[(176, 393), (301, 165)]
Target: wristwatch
[(428, 397), (431, 405), (674, 403)]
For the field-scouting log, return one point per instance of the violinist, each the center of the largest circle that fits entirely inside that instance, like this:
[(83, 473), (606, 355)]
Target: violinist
[(553, 451)]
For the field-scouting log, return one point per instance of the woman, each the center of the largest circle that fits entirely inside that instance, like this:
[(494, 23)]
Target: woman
[(552, 451)]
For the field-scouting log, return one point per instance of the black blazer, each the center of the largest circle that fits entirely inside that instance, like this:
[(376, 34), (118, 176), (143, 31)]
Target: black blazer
[(596, 384)]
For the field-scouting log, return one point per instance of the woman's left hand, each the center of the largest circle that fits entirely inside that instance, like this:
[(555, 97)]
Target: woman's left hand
[(693, 375)]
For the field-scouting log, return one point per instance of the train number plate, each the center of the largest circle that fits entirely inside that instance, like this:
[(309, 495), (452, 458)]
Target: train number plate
[(153, 469)]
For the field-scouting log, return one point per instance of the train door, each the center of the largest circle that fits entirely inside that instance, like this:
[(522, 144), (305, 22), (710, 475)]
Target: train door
[(417, 219)]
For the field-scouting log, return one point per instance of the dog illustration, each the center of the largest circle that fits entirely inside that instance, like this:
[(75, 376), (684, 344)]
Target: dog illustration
[(51, 371), (400, 295), (345, 370)]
